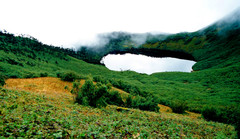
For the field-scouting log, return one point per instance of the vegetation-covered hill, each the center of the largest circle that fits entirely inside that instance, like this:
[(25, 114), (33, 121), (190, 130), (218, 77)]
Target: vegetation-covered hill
[(42, 108), (213, 89)]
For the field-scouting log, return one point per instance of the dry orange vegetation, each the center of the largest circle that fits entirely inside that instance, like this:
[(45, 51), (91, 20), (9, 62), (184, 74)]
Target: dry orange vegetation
[(49, 86), (164, 108), (55, 87), (45, 85)]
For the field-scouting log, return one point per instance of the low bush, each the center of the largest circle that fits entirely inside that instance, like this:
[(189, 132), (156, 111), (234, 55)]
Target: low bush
[(133, 90), (30, 75), (76, 87), (179, 106), (100, 95), (100, 79), (114, 98), (210, 113), (229, 115), (43, 74), (69, 76), (149, 103), (92, 95)]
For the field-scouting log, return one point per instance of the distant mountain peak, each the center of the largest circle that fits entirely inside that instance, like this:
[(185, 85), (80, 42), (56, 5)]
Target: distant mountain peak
[(232, 18)]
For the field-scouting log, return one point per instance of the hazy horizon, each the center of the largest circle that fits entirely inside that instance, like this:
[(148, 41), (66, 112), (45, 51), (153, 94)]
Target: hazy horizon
[(73, 23)]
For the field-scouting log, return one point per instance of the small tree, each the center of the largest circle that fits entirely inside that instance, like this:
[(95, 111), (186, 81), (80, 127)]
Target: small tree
[(75, 88)]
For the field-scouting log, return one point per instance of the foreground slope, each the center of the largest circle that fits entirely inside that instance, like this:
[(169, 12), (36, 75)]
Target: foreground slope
[(48, 110)]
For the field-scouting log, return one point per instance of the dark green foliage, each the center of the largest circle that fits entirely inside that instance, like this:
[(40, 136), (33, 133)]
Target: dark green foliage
[(230, 115), (43, 74), (149, 103), (100, 79), (100, 95), (75, 87), (114, 98), (92, 95), (30, 75), (69, 76), (134, 90), (211, 113), (128, 102), (2, 80), (178, 106)]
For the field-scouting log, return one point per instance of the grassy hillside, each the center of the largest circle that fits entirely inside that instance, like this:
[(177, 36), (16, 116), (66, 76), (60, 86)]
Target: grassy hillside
[(198, 89), (213, 88), (42, 108)]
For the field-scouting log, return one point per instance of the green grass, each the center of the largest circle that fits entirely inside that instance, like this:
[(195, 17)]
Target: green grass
[(30, 115)]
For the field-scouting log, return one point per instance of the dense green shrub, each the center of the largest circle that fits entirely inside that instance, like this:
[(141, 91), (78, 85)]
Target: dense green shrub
[(229, 115), (133, 90), (179, 106), (2, 80), (30, 75), (43, 74), (100, 95), (75, 87), (69, 76), (128, 102), (114, 98), (100, 79), (210, 113), (149, 103), (92, 95), (59, 74)]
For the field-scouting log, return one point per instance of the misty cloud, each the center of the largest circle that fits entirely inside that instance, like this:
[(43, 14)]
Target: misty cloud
[(68, 23)]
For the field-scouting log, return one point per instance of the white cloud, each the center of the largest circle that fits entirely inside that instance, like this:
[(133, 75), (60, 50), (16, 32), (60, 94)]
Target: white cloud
[(67, 22)]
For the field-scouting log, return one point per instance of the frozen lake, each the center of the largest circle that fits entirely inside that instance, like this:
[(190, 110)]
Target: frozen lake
[(146, 64)]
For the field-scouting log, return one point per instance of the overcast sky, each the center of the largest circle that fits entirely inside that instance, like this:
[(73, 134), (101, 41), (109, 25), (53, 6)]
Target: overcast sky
[(70, 22)]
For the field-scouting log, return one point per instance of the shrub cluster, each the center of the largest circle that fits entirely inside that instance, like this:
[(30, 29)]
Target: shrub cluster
[(99, 95), (43, 74), (149, 103), (178, 106), (229, 115), (133, 90), (96, 95), (30, 75), (69, 76)]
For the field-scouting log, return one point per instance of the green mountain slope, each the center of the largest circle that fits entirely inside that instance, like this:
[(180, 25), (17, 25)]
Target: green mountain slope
[(214, 84), (215, 46)]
